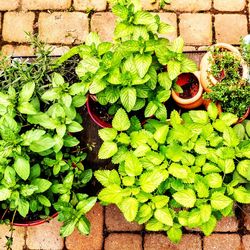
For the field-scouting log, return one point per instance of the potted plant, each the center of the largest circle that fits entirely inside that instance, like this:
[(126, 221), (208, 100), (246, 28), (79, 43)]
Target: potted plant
[(187, 172), (41, 173), (188, 95), (224, 75)]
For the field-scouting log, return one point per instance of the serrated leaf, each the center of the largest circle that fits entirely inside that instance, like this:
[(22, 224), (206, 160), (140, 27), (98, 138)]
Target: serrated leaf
[(174, 69), (111, 194), (150, 109), (128, 98), (107, 150), (178, 44), (164, 80), (149, 181), (26, 92), (22, 167), (143, 17), (108, 177), (129, 207), (107, 134), (219, 201), (142, 63), (121, 121), (133, 167), (164, 216), (214, 180), (188, 65), (186, 198)]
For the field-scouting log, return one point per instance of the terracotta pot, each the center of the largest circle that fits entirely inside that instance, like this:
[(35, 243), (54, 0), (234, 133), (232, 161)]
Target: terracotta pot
[(244, 116), (36, 222), (207, 79), (95, 118), (193, 102)]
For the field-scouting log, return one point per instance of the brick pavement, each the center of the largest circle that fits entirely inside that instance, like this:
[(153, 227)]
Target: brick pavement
[(201, 23)]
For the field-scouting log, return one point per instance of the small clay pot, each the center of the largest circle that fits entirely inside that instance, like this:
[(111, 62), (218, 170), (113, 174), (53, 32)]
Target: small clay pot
[(193, 102), (208, 80)]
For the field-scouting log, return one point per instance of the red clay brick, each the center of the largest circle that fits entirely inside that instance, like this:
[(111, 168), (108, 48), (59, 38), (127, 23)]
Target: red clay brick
[(45, 4), (196, 29), (189, 5), (95, 238), (9, 4), (227, 224), (104, 25), (68, 28), (15, 24), (222, 241), (230, 27), (18, 235), (161, 242), (45, 236), (115, 221), (246, 242), (246, 209), (123, 241), (96, 5), (22, 50)]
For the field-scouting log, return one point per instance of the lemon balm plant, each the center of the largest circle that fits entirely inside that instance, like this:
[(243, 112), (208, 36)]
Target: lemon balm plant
[(187, 172)]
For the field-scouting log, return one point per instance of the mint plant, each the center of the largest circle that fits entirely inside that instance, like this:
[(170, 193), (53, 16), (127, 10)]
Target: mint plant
[(185, 172), (42, 167)]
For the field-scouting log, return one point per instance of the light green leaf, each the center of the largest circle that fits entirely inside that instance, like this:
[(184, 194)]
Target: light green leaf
[(107, 134), (209, 226), (243, 168), (107, 150), (67, 228), (88, 64), (186, 198), (164, 216), (129, 207), (83, 225), (149, 181), (74, 127), (188, 65), (161, 133), (26, 108), (144, 214), (230, 137), (154, 225), (178, 44), (214, 180), (26, 92), (143, 17), (23, 207), (97, 86), (22, 167), (93, 38), (50, 95), (179, 171), (142, 63), (174, 69), (44, 143), (174, 234), (229, 118), (212, 111), (199, 116), (128, 98), (164, 80), (150, 109), (4, 193), (219, 201), (57, 80), (133, 167), (242, 195), (44, 200), (121, 121), (108, 177), (42, 184), (111, 194), (205, 211)]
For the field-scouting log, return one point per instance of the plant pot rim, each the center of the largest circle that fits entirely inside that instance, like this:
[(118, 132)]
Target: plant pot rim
[(180, 100), (35, 222), (241, 119), (205, 65)]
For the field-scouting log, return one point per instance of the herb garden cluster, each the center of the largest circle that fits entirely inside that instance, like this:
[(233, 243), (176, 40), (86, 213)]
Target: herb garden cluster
[(171, 168)]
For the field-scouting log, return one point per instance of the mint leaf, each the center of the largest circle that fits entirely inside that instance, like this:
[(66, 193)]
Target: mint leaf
[(208, 227), (111, 194), (107, 150), (188, 65), (174, 69), (22, 167), (242, 195), (164, 80), (5, 193), (133, 167), (243, 168), (150, 109), (142, 63), (219, 201), (149, 181), (26, 92), (121, 121), (164, 216), (107, 134), (128, 98), (199, 116), (107, 177), (129, 207), (186, 198), (212, 111), (143, 17), (214, 180), (174, 234)]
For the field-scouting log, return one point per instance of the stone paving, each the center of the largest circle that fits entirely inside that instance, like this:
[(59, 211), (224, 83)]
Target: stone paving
[(200, 23)]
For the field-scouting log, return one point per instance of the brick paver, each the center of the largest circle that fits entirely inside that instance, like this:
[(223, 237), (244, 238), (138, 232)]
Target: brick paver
[(161, 242), (95, 238), (150, 5), (45, 236), (9, 5), (58, 50), (229, 5), (15, 24), (246, 242), (90, 5), (222, 241), (229, 28), (103, 24), (115, 221), (246, 215), (18, 236), (227, 224), (22, 50), (189, 5), (123, 241), (67, 28), (169, 18), (45, 4), (196, 29)]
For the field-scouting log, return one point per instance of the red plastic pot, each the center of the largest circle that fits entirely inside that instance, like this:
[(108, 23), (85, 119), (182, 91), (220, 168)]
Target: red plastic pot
[(97, 120), (36, 222)]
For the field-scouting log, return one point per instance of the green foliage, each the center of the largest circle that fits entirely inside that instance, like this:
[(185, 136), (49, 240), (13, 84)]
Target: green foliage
[(176, 174)]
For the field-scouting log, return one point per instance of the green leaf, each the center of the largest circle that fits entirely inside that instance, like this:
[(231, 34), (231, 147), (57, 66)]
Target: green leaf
[(121, 121), (9, 176), (143, 17), (186, 198), (129, 208), (128, 98), (243, 168), (26, 92), (83, 225), (199, 116), (150, 109), (74, 127), (43, 120), (57, 80), (229, 118), (212, 111), (178, 44), (208, 227), (70, 141), (174, 234), (32, 135), (107, 134), (174, 69), (188, 65), (154, 225), (22, 167), (78, 88), (88, 64), (165, 28), (144, 214), (23, 207), (42, 184), (214, 180), (108, 177), (179, 171), (86, 205), (164, 216), (230, 137), (149, 181), (97, 86), (44, 200), (50, 95), (133, 167), (93, 39), (26, 108), (43, 144), (219, 201), (164, 80), (120, 11), (111, 194), (67, 228), (142, 63), (205, 211), (242, 195), (161, 133), (107, 150), (5, 193)]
